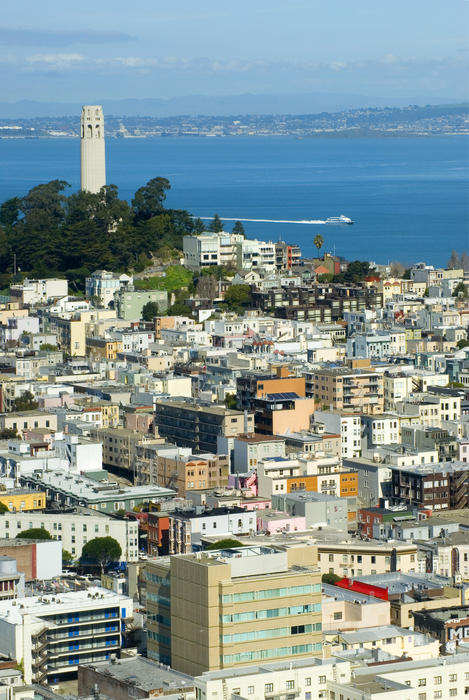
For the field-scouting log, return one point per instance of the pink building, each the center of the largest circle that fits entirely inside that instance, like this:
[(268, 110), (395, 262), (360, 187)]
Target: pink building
[(272, 522)]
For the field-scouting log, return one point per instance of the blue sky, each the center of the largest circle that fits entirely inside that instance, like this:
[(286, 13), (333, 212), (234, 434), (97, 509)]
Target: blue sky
[(79, 51)]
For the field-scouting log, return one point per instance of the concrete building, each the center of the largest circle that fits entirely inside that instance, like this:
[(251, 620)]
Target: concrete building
[(22, 500), (449, 626), (247, 450), (318, 509), (190, 424), (306, 679), (379, 430), (75, 529), (129, 302), (221, 609), (92, 149), (352, 390), (210, 249), (133, 677), (351, 610), (40, 291), (120, 446), (27, 420), (35, 559), (364, 558), (52, 635)]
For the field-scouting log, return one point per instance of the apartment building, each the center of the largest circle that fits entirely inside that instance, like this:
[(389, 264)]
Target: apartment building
[(75, 529), (252, 385), (188, 527), (228, 608), (193, 425), (346, 425), (210, 249), (281, 475), (350, 390), (255, 255), (52, 635), (306, 679), (366, 558), (436, 486), (103, 285), (177, 468)]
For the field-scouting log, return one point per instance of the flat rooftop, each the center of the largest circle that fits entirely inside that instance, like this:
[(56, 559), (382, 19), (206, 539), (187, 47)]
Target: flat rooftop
[(142, 673), (91, 490)]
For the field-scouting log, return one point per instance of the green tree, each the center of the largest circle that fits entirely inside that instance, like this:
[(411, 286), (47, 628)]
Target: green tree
[(25, 402), (179, 308), (67, 557), (231, 401), (10, 211), (227, 543), (199, 226), (45, 347), (148, 200), (102, 550), (461, 344), (3, 508), (149, 311), (461, 290), (216, 225), (331, 578), (8, 434), (239, 228), (318, 242), (35, 533), (238, 297)]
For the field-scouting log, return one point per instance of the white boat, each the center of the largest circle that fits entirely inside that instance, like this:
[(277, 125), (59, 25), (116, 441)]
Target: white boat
[(339, 220)]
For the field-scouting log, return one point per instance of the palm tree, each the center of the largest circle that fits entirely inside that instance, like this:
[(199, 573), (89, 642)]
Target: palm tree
[(318, 242)]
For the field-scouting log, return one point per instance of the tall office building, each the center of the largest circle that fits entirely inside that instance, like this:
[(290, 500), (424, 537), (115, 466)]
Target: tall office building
[(229, 608), (93, 158)]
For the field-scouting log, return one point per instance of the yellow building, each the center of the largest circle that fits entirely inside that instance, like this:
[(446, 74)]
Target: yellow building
[(102, 348), (19, 500), (235, 607)]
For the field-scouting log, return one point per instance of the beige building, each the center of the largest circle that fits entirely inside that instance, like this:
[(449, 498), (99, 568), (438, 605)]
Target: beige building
[(343, 389), (231, 608), (366, 558), (178, 469), (401, 610), (396, 641), (120, 448), (343, 609), (28, 420)]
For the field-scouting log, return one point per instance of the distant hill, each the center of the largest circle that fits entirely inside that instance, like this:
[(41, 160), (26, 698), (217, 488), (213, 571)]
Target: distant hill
[(309, 103)]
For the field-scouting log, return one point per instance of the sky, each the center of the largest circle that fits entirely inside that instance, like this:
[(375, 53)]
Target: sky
[(65, 51)]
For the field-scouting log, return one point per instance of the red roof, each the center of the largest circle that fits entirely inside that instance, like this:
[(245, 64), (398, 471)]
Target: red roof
[(364, 588)]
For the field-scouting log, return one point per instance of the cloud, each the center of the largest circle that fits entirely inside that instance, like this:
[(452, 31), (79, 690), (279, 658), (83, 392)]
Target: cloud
[(41, 37)]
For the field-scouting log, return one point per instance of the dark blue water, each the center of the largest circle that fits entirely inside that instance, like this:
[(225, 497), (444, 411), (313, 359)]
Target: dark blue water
[(408, 196)]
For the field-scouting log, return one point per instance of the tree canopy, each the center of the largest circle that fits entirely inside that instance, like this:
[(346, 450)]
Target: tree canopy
[(55, 234), (227, 543), (35, 533), (3, 508), (149, 311), (25, 402), (102, 550), (238, 297), (216, 224)]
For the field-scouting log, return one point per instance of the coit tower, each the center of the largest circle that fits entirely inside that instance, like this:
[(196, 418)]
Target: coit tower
[(93, 159)]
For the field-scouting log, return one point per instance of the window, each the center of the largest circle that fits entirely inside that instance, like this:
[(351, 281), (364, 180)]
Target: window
[(437, 680), (268, 688), (453, 677), (438, 694), (250, 690), (322, 680), (373, 559), (453, 692), (290, 685), (307, 681), (422, 682), (337, 616), (422, 696)]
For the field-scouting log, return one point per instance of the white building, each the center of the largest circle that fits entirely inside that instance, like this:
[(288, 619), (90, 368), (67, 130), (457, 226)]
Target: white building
[(379, 430), (305, 679), (255, 255), (16, 327), (74, 530), (93, 157), (52, 635), (210, 249), (41, 291), (103, 285), (345, 425)]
